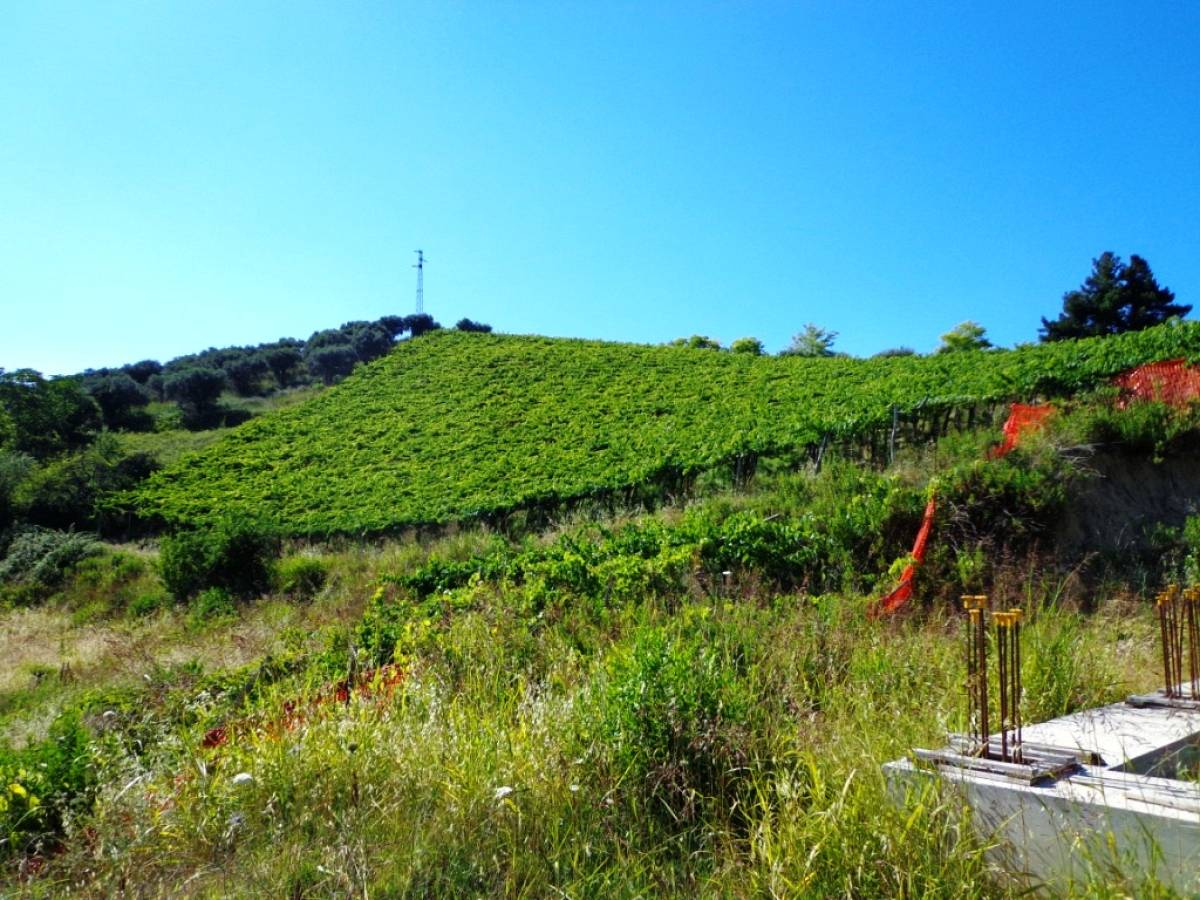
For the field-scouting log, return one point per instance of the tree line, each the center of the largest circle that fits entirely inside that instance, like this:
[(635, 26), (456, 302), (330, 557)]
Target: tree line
[(196, 381), (1115, 298)]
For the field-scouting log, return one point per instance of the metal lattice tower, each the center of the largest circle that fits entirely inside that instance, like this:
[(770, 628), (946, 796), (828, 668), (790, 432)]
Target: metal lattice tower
[(420, 267)]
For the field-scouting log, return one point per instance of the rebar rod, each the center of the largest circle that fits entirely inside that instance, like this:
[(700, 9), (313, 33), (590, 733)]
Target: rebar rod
[(1161, 603), (1190, 599), (977, 681), (1019, 755)]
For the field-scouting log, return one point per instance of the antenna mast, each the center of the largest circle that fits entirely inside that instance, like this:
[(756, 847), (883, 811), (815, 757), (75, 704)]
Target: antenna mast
[(420, 267)]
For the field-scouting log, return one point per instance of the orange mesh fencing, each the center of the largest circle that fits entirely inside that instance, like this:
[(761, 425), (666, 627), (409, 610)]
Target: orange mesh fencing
[(1172, 381), (903, 593), (1022, 419)]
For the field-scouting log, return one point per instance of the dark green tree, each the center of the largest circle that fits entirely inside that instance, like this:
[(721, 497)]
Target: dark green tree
[(393, 325), (43, 416), (283, 363), (469, 325), (141, 371), (371, 342), (246, 373), (1114, 298), (420, 323), (197, 392), (121, 400), (331, 362)]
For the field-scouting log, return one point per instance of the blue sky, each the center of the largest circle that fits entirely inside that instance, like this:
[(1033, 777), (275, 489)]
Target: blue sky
[(175, 176)]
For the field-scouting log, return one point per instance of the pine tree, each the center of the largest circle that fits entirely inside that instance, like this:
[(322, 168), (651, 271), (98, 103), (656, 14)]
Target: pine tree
[(1115, 298)]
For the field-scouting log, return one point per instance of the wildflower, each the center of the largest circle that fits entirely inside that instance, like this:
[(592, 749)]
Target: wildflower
[(242, 778), (503, 791)]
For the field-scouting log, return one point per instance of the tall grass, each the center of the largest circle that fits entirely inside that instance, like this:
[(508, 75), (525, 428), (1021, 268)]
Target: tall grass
[(711, 748)]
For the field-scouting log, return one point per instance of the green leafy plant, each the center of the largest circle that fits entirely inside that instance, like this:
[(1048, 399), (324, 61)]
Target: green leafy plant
[(238, 554), (302, 576)]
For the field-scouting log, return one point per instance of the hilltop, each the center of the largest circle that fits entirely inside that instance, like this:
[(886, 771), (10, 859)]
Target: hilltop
[(456, 426)]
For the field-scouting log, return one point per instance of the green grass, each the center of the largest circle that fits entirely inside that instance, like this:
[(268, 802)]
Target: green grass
[(168, 447), (597, 710), (537, 759), (453, 426)]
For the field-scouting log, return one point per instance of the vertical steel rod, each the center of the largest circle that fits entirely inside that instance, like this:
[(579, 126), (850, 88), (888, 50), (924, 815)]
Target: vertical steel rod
[(1018, 755)]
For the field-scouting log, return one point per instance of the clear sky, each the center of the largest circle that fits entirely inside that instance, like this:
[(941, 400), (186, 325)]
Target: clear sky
[(180, 175)]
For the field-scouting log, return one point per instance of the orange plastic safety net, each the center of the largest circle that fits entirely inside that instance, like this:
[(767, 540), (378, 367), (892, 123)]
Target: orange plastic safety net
[(903, 593), (1172, 381), (1022, 419)]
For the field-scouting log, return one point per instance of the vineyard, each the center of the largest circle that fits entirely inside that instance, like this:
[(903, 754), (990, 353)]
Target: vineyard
[(455, 426)]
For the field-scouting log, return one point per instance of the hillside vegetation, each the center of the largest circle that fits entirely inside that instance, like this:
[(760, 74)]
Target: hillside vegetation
[(456, 426), (684, 702)]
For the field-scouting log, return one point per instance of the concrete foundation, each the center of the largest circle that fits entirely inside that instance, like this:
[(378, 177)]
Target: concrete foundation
[(1127, 799)]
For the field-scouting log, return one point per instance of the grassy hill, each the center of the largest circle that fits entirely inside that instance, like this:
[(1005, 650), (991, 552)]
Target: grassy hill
[(453, 426)]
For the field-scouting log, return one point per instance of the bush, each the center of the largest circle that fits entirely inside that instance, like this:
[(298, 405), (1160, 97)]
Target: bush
[(74, 491), (238, 553), (671, 717), (748, 345), (43, 784), (39, 559), (469, 325), (1142, 427), (148, 602), (302, 576), (210, 605)]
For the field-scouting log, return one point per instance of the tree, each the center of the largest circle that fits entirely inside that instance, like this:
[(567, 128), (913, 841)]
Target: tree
[(141, 371), (282, 361), (197, 392), (419, 323), (1114, 298), (393, 325), (468, 325), (246, 373), (812, 341), (697, 342), (328, 363), (371, 342), (895, 351), (966, 335), (46, 416), (118, 396), (750, 346)]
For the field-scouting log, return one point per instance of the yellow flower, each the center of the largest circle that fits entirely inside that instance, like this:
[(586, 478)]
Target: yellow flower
[(18, 790)]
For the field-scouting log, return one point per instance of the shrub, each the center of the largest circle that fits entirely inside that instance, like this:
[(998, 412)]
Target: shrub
[(209, 605), (302, 576), (74, 491), (1142, 427), (670, 717), (237, 553), (40, 559), (148, 602), (749, 345), (43, 784)]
